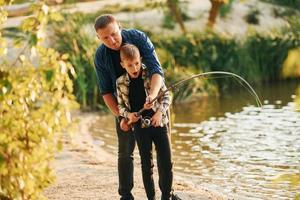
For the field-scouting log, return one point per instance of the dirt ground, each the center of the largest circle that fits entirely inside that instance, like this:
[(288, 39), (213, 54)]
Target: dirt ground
[(85, 171)]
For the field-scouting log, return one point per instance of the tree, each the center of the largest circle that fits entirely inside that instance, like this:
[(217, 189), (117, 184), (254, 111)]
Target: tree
[(214, 11), (175, 10)]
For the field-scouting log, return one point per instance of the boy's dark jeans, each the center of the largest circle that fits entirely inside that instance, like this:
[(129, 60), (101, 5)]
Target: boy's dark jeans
[(126, 144), (159, 136)]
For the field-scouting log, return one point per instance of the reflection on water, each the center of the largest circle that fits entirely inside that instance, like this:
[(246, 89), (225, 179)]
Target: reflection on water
[(232, 146)]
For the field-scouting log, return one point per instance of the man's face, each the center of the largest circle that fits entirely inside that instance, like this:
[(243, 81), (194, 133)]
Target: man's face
[(111, 36), (132, 66)]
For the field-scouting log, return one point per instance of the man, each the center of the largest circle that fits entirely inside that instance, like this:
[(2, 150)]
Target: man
[(108, 69)]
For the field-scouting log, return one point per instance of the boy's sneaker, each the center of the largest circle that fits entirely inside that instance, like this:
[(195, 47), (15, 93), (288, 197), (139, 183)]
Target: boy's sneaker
[(175, 197)]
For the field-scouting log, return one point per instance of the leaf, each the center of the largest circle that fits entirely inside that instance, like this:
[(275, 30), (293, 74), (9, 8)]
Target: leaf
[(49, 75), (33, 39), (291, 65), (6, 87), (1, 160), (292, 179), (65, 56), (56, 16), (30, 24)]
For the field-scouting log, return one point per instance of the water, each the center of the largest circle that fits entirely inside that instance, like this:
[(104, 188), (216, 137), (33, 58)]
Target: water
[(230, 145)]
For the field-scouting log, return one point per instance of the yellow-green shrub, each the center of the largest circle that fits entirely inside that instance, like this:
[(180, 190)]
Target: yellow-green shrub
[(35, 106)]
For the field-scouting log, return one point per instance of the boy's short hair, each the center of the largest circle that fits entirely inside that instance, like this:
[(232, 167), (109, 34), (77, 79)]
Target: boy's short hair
[(129, 51), (103, 20)]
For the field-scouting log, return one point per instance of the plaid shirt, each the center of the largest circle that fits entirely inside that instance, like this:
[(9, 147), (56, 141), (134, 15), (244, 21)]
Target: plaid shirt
[(161, 104)]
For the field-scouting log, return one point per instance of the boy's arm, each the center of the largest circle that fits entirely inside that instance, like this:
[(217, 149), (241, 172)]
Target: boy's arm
[(123, 112)]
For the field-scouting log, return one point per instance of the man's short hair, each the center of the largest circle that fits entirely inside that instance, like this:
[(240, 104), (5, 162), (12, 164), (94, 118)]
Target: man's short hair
[(129, 51), (103, 20)]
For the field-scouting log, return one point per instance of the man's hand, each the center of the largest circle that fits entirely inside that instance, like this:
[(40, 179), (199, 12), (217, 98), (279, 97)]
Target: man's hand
[(156, 119), (124, 125), (132, 118)]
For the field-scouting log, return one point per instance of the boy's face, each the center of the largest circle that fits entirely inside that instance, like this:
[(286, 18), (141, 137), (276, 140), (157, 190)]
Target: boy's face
[(111, 36), (132, 66)]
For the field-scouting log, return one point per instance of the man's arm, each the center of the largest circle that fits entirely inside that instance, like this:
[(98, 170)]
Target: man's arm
[(105, 83), (156, 83), (111, 102), (147, 51)]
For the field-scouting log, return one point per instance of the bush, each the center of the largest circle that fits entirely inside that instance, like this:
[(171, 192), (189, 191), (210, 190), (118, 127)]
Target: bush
[(72, 38), (257, 58), (295, 4), (253, 17), (36, 105)]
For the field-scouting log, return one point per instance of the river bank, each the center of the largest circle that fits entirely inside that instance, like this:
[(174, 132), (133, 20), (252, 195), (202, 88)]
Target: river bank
[(86, 171)]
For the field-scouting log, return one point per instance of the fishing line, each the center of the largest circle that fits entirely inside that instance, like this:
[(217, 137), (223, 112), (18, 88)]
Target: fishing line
[(248, 89), (229, 74)]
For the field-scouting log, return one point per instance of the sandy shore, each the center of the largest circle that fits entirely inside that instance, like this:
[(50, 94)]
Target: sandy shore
[(85, 171)]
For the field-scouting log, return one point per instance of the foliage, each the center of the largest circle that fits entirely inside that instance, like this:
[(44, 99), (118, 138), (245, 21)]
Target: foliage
[(169, 20), (291, 66), (48, 1), (86, 18), (253, 16), (198, 52), (214, 11), (74, 39), (176, 14), (175, 73), (191, 89), (292, 179), (284, 12), (226, 8), (294, 26), (295, 4), (36, 104), (210, 52)]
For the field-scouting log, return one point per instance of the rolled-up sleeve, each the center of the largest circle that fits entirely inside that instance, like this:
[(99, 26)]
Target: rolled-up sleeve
[(103, 75), (149, 56), (123, 111), (166, 100)]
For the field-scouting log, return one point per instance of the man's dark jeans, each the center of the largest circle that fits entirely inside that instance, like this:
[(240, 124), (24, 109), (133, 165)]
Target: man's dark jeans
[(126, 144), (145, 137)]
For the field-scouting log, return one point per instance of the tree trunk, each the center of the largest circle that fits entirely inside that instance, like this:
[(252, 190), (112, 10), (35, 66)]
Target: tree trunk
[(173, 6), (213, 13)]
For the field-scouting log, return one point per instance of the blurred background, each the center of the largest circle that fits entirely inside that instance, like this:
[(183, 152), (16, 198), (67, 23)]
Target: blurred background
[(221, 139)]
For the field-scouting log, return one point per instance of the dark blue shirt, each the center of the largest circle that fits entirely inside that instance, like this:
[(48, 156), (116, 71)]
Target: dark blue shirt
[(105, 60)]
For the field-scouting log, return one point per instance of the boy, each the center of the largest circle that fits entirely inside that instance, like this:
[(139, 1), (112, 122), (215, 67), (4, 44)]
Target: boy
[(132, 89)]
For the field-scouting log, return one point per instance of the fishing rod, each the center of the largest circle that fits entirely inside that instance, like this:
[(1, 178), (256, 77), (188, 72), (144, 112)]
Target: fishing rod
[(146, 121), (174, 86)]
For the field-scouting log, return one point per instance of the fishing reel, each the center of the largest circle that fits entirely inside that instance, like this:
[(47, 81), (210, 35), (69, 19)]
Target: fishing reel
[(145, 122)]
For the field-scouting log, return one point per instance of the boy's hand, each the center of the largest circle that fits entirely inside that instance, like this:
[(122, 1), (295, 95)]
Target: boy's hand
[(132, 118), (147, 104), (156, 119), (124, 126)]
